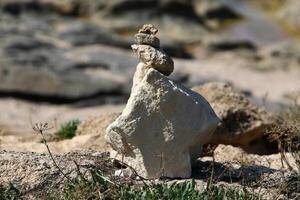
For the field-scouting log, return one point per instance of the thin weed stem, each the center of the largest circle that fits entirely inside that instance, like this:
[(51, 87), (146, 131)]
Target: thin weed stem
[(40, 128)]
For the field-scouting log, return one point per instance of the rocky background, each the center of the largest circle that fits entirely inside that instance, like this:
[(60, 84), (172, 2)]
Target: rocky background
[(71, 59)]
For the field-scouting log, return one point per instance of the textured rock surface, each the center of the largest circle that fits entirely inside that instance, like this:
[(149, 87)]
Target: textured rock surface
[(34, 175), (162, 128), (243, 124), (154, 58)]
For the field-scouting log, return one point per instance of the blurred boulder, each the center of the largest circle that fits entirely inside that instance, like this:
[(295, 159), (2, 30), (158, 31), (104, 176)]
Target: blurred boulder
[(216, 12), (283, 56), (113, 22), (222, 43), (243, 124), (176, 20), (47, 56), (82, 33), (63, 19), (289, 13), (46, 7), (38, 68), (33, 66)]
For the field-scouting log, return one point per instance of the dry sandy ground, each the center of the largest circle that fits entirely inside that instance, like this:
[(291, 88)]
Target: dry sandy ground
[(17, 118)]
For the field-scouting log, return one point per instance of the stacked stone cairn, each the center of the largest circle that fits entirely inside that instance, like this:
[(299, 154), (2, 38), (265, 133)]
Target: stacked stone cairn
[(148, 50), (164, 125)]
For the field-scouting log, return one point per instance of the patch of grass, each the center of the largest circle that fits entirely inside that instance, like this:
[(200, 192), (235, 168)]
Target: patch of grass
[(9, 192), (287, 135), (99, 187), (185, 190), (292, 143), (68, 129)]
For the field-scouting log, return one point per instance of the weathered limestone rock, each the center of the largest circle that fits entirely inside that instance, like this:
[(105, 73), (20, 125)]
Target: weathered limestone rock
[(164, 125), (162, 128), (243, 124)]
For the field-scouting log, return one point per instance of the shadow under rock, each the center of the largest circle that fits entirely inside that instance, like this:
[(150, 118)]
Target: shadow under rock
[(245, 175)]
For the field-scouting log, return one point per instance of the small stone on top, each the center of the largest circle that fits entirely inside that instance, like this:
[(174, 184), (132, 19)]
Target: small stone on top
[(148, 29)]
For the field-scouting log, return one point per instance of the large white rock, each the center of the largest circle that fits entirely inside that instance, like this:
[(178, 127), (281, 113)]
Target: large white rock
[(163, 126)]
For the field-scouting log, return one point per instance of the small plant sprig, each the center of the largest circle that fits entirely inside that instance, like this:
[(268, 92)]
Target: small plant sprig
[(67, 130), (41, 128)]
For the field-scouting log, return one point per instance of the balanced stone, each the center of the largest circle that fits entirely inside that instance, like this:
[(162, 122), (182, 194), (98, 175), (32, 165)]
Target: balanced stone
[(148, 29), (142, 38), (155, 58)]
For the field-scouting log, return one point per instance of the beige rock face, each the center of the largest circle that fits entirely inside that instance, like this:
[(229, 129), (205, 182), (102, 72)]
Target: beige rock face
[(163, 126), (243, 124)]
